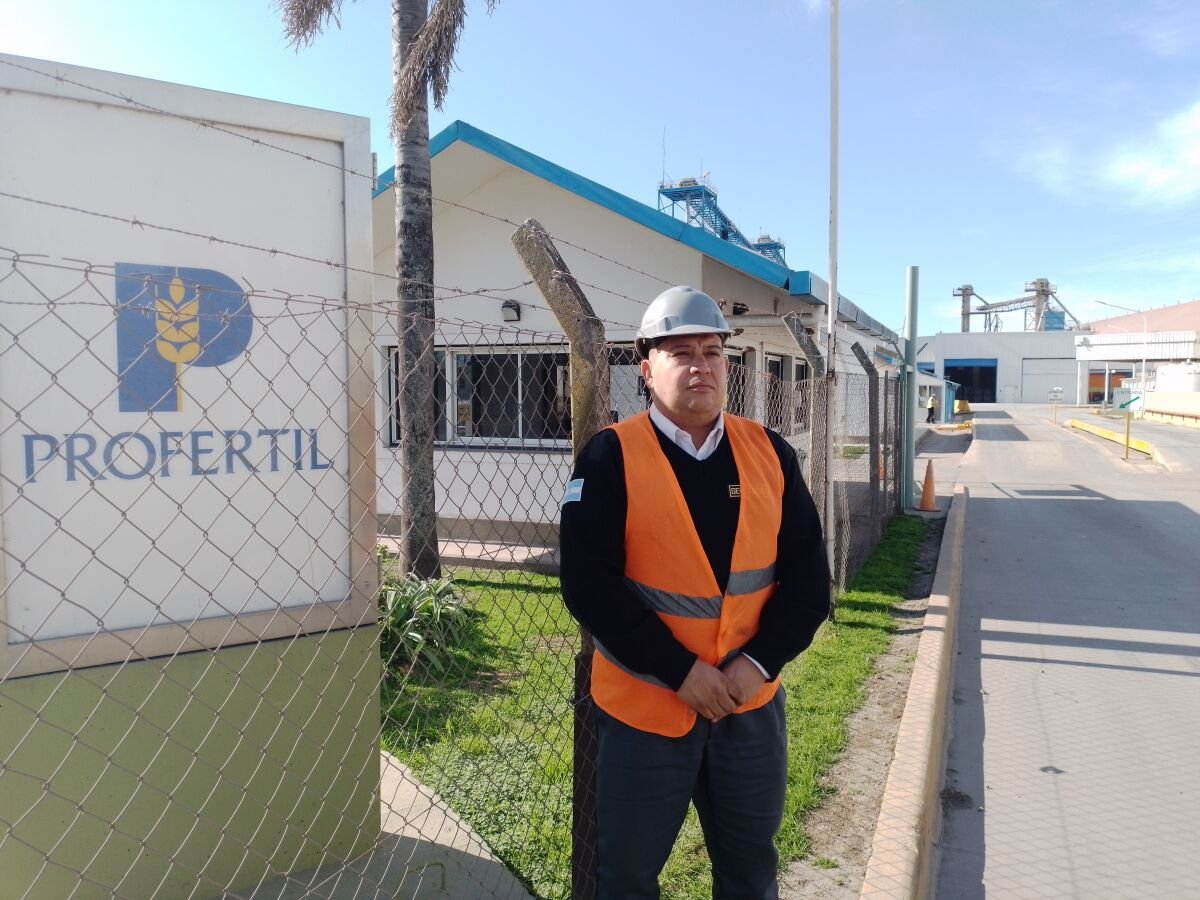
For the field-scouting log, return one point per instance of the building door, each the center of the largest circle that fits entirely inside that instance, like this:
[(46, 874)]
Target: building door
[(776, 412), (976, 378)]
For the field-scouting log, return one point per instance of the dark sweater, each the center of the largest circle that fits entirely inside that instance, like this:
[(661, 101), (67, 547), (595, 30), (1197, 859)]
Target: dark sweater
[(592, 540)]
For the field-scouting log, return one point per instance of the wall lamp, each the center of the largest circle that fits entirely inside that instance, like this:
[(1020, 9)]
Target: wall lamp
[(510, 311)]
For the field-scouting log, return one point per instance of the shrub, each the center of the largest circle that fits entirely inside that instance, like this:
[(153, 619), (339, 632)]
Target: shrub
[(421, 621)]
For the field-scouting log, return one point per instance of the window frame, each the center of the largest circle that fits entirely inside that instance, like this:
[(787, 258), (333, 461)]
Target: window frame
[(391, 365), (446, 435), (453, 440)]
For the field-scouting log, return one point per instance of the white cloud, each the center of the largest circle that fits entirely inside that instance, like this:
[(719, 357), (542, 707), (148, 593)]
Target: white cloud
[(1163, 169), (1174, 264), (1166, 29), (1149, 260)]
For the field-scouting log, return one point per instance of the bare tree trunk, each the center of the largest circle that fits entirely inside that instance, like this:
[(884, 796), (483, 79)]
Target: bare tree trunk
[(414, 292)]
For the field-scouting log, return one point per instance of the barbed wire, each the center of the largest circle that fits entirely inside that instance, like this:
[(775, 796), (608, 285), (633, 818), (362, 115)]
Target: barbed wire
[(272, 251), (205, 123), (325, 304), (134, 222), (558, 239), (202, 123)]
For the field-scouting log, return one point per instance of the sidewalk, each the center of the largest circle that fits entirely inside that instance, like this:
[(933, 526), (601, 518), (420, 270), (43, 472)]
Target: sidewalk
[(1178, 447), (1074, 761), (424, 852)]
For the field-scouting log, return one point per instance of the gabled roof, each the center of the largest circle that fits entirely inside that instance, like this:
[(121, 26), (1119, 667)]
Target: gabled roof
[(796, 282)]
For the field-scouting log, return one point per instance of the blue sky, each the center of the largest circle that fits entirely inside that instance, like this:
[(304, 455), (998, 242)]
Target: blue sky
[(990, 143)]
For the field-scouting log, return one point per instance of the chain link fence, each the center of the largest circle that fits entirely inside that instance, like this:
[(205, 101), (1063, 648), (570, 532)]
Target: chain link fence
[(181, 457), (195, 466), (218, 677)]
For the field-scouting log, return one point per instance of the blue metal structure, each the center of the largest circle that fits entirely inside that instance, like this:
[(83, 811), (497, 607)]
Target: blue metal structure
[(698, 198), (771, 248)]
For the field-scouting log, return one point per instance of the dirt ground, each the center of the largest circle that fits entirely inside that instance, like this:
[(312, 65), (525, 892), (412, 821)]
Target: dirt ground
[(841, 830)]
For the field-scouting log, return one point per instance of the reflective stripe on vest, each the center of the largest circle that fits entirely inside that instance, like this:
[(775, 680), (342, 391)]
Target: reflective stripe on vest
[(667, 568)]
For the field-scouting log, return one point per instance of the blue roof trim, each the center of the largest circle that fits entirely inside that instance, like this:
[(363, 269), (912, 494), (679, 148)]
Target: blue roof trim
[(693, 236), (437, 144), (800, 283), (969, 362), (384, 181), (796, 283)]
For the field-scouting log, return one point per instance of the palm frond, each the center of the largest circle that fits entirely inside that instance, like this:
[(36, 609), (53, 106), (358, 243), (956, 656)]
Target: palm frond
[(428, 60), (303, 20)]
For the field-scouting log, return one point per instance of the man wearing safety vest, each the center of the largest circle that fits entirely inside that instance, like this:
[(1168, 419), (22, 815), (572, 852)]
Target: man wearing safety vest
[(692, 551)]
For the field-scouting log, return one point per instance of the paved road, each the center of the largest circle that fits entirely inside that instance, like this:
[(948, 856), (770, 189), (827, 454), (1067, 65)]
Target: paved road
[(1074, 766)]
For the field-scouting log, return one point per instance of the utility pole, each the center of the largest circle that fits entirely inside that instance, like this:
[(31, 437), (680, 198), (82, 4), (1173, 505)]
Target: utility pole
[(910, 389), (831, 309)]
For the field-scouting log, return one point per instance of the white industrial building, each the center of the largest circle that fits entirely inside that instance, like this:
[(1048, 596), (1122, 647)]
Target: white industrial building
[(503, 436), (1084, 366), (1002, 367)]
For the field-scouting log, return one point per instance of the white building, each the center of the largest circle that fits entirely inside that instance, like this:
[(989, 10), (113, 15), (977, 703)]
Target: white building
[(503, 449), (1087, 365), (1002, 367)]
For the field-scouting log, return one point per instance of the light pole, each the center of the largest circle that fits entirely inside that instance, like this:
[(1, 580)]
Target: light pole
[(831, 310), (1145, 337)]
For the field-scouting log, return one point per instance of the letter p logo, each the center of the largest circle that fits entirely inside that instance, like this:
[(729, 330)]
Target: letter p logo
[(171, 318)]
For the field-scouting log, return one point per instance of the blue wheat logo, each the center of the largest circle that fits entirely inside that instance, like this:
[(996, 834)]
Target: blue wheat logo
[(170, 319)]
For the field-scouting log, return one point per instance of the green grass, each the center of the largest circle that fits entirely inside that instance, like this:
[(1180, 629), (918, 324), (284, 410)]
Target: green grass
[(493, 737), (824, 686)]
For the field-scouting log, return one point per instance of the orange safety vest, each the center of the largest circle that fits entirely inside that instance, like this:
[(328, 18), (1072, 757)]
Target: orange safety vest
[(665, 565)]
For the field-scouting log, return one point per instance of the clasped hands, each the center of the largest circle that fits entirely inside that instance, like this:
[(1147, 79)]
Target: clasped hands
[(715, 693)]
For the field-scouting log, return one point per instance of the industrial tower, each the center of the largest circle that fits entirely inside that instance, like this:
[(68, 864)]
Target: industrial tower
[(698, 200), (1043, 310)]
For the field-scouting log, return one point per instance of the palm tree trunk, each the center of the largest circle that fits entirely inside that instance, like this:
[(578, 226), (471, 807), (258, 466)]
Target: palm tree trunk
[(414, 293)]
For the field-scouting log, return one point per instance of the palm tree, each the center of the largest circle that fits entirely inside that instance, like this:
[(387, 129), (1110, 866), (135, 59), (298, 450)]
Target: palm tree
[(423, 46)]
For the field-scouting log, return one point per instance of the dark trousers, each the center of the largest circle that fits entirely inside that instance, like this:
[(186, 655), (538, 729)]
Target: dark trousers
[(734, 771), (929, 418)]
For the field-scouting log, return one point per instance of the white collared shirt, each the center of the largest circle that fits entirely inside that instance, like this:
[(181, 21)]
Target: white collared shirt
[(684, 440)]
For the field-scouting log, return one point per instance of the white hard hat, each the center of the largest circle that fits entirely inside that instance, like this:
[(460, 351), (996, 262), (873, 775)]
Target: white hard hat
[(681, 310)]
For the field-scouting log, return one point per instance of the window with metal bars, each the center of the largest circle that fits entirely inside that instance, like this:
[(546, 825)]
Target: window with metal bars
[(510, 397)]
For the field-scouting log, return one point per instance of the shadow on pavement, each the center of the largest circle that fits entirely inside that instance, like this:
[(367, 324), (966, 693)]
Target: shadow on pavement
[(1042, 572), (937, 443), (1072, 492), (1000, 433)]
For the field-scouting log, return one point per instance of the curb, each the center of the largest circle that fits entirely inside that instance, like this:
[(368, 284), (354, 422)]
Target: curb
[(1142, 446), (901, 862)]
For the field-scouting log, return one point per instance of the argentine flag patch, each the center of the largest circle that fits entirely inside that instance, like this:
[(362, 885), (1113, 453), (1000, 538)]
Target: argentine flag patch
[(574, 492)]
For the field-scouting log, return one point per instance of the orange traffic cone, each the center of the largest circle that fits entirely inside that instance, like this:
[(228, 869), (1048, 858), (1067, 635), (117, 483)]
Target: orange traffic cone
[(928, 495)]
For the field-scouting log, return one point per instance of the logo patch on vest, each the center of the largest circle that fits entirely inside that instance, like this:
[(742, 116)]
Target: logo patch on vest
[(735, 490)]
